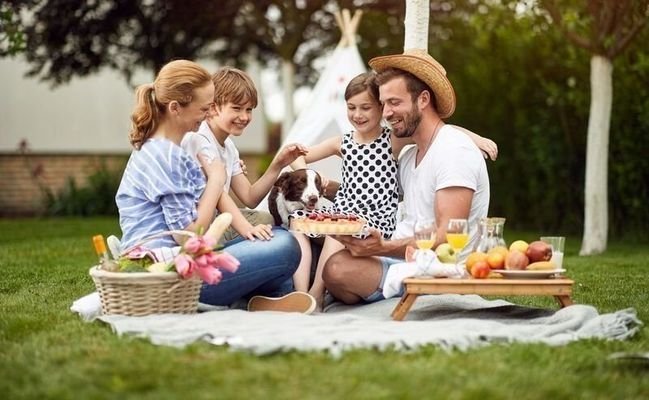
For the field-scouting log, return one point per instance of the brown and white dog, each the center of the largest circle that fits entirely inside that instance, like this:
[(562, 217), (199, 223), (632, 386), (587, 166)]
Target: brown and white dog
[(297, 190)]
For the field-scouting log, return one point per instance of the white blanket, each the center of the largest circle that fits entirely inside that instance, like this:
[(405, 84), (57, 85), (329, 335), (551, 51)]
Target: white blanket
[(449, 321)]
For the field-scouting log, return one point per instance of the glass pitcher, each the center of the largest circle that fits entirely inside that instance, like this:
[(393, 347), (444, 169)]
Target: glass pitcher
[(491, 230)]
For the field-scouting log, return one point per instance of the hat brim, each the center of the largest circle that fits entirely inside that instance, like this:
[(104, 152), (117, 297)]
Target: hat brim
[(427, 72)]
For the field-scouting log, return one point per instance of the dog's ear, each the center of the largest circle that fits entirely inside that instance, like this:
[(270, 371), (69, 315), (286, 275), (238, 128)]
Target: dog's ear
[(318, 182), (282, 179)]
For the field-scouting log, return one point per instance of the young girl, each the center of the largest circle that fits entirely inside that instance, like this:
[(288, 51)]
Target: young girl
[(369, 185), (163, 189)]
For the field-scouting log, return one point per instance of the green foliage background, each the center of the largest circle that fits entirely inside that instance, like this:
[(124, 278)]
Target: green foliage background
[(520, 83)]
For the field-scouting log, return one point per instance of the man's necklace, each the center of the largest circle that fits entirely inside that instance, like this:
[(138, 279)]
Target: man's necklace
[(430, 142)]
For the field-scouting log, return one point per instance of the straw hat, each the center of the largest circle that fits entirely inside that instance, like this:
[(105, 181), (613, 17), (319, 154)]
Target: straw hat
[(419, 63)]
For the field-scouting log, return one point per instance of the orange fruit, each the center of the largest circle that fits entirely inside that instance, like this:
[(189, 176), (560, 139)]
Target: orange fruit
[(495, 260), (500, 249), (474, 258)]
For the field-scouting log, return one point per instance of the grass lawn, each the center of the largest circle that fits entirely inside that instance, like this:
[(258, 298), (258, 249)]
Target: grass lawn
[(48, 352)]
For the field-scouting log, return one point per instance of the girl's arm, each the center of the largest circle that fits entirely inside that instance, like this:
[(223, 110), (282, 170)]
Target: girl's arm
[(327, 148), (488, 147)]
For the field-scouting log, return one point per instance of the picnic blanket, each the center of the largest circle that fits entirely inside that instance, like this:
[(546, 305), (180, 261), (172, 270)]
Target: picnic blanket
[(449, 321)]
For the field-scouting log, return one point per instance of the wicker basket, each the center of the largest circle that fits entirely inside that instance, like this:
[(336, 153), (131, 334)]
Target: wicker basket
[(144, 293)]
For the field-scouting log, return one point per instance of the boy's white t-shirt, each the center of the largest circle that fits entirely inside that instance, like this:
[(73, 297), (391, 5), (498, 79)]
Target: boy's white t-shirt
[(452, 160), (204, 142)]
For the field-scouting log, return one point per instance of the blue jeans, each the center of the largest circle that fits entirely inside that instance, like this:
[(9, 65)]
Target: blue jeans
[(266, 268)]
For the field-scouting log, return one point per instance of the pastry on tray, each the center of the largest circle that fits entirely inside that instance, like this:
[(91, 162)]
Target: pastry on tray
[(324, 223)]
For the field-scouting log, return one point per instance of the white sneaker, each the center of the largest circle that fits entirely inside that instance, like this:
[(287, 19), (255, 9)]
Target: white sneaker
[(293, 302)]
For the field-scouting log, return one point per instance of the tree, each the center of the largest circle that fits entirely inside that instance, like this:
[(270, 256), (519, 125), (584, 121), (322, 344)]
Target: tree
[(67, 38), (604, 28), (12, 39)]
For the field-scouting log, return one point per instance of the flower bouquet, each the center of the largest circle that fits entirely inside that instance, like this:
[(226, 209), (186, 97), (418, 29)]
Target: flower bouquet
[(164, 286)]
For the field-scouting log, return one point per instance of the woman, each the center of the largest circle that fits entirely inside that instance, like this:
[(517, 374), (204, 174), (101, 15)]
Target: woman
[(163, 189)]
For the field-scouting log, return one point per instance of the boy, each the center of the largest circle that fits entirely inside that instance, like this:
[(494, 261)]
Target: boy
[(234, 99)]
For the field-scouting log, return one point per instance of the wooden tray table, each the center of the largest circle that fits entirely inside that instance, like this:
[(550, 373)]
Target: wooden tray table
[(560, 288)]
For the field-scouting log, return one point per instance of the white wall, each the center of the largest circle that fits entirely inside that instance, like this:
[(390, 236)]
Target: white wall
[(88, 115)]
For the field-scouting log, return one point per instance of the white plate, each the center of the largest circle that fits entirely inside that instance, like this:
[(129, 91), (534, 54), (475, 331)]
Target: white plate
[(523, 274)]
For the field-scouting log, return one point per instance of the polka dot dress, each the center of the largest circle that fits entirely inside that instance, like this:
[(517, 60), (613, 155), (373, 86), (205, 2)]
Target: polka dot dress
[(369, 182)]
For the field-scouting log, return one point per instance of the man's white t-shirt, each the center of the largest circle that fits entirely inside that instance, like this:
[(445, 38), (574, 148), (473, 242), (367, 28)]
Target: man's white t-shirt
[(204, 142), (453, 160)]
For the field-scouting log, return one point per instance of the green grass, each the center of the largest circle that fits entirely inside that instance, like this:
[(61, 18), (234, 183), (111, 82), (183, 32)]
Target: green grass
[(48, 352)]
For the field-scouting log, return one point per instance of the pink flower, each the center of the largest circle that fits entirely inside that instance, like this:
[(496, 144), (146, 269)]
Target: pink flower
[(193, 245), (198, 256), (211, 276), (185, 265), (227, 262)]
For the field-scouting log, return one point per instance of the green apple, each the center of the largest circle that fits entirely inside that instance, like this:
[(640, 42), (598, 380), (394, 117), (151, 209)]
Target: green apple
[(445, 253)]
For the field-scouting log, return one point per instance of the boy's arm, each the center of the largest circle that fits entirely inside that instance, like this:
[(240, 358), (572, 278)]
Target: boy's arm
[(252, 194), (240, 223), (488, 147)]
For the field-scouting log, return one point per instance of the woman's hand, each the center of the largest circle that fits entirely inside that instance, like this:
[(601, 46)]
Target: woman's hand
[(213, 168), (243, 166), (261, 231)]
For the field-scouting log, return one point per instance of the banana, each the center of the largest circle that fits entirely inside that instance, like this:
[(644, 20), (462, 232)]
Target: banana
[(219, 225), (541, 266)]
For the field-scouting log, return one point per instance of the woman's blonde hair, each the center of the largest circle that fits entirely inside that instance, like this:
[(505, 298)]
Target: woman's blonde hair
[(177, 81)]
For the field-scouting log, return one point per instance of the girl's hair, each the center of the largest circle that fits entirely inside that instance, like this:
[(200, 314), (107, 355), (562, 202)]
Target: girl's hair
[(234, 86), (177, 81), (361, 83)]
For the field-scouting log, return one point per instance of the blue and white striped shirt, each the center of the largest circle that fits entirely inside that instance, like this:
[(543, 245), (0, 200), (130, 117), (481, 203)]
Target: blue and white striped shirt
[(159, 191)]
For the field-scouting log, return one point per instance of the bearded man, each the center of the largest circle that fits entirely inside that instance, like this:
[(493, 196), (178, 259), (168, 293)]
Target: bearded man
[(442, 176)]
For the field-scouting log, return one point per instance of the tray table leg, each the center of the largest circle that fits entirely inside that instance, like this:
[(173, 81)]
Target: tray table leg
[(564, 301), (400, 311)]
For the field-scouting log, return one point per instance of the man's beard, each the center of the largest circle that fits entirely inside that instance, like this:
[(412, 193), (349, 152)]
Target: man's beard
[(410, 123)]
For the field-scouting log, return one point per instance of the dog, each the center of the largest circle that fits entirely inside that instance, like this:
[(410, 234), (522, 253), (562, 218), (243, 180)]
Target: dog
[(297, 190)]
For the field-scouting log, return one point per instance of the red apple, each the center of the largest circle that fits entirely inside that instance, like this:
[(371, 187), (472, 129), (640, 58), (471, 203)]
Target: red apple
[(539, 251), (516, 260)]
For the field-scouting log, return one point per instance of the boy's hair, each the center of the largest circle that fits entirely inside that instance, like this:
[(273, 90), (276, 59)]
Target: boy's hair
[(233, 86), (414, 85), (361, 83)]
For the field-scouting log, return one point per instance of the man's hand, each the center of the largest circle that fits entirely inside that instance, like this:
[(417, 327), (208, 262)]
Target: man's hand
[(372, 245)]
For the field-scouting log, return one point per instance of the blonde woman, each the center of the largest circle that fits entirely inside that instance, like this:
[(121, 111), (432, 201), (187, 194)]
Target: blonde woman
[(163, 188)]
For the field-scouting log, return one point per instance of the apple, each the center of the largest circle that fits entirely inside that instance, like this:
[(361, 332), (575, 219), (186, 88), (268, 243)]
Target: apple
[(446, 254), (516, 260), (519, 245), (539, 251), (480, 270)]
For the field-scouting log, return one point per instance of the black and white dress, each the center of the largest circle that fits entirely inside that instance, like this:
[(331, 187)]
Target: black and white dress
[(369, 182), (369, 187)]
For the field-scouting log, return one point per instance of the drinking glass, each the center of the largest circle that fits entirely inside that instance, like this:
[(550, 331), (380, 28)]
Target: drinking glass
[(457, 235), (425, 232)]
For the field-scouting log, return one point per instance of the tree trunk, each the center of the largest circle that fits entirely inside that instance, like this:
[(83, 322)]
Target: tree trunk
[(416, 24), (596, 188), (288, 86)]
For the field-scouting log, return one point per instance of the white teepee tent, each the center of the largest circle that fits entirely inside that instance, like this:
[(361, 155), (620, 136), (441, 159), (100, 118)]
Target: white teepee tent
[(324, 114)]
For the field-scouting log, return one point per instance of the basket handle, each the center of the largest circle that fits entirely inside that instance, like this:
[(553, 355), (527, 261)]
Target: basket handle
[(157, 236)]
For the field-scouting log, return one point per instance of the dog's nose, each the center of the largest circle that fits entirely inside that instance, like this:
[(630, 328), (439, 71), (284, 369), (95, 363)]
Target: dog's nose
[(313, 199)]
